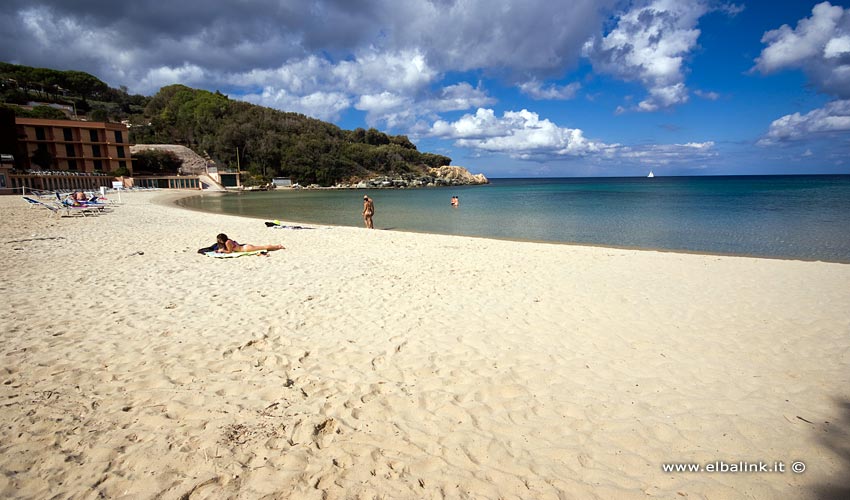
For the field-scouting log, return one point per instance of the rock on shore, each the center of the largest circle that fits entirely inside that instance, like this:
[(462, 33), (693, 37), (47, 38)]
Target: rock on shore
[(446, 175), (458, 174)]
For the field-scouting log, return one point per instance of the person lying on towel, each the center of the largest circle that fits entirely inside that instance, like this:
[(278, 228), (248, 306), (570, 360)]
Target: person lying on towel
[(226, 245)]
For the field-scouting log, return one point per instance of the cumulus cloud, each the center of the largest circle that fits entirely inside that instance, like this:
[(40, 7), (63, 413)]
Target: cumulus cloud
[(322, 105), (520, 134), (537, 37), (649, 45), (335, 52), (371, 71), (459, 97), (533, 37), (156, 78), (832, 118), (536, 90), (524, 135), (819, 45), (387, 59)]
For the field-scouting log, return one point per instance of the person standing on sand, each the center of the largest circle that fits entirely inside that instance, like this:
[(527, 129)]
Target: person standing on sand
[(368, 211)]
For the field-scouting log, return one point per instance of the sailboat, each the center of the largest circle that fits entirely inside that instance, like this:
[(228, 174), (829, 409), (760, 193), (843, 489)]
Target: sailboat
[(651, 174)]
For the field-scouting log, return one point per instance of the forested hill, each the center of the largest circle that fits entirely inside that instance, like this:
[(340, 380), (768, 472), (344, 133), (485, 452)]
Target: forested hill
[(270, 143), (87, 95), (276, 143)]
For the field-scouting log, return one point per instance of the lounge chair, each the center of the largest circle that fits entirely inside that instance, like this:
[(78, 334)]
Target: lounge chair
[(40, 204), (67, 202), (56, 208)]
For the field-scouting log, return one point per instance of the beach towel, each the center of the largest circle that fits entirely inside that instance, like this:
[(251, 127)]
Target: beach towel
[(210, 248), (234, 254), (277, 225)]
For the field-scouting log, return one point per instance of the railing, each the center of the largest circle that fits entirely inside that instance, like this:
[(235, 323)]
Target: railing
[(60, 181), (166, 182)]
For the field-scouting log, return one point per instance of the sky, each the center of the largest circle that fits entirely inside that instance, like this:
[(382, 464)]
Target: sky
[(508, 88)]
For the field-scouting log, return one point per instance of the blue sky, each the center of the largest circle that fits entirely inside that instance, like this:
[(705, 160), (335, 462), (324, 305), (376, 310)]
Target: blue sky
[(504, 87)]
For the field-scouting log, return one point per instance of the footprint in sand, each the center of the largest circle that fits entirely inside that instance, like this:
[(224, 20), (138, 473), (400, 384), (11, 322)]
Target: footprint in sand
[(325, 433)]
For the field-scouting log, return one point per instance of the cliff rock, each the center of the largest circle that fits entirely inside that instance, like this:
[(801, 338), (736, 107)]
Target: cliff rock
[(458, 174)]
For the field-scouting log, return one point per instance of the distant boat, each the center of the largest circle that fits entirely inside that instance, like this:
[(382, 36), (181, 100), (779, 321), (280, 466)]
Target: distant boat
[(651, 174)]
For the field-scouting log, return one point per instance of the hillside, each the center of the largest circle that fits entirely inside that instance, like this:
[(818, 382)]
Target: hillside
[(64, 94), (262, 141), (272, 143)]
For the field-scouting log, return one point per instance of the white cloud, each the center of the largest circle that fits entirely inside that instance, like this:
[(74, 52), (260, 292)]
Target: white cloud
[(537, 37), (819, 45), (393, 89), (520, 134), (459, 97), (524, 135), (298, 76), (322, 105), (711, 96), (837, 47), (188, 74), (832, 118), (536, 90), (731, 9), (511, 37), (649, 45), (371, 71), (392, 108)]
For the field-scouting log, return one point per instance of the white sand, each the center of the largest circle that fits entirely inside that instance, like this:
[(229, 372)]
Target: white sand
[(378, 364)]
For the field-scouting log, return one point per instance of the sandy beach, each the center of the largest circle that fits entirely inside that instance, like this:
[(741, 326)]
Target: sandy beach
[(381, 364)]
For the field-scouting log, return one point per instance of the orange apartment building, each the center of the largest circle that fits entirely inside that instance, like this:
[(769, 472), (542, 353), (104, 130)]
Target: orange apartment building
[(82, 156), (75, 146)]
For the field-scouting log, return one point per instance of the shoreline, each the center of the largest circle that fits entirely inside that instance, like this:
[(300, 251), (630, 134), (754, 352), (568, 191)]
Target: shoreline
[(180, 196), (360, 363)]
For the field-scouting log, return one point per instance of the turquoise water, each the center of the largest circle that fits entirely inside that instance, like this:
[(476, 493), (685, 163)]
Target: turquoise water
[(802, 217)]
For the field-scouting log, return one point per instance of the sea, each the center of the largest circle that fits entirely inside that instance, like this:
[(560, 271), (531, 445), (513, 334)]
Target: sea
[(804, 217)]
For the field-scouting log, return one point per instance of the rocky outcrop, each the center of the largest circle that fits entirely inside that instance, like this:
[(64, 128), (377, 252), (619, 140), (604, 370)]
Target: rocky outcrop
[(435, 177), (457, 174)]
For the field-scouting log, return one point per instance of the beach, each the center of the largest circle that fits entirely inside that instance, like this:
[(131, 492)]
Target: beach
[(385, 364)]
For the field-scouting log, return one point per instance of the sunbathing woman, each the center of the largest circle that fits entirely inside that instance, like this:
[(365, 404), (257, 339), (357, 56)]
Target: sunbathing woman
[(226, 245)]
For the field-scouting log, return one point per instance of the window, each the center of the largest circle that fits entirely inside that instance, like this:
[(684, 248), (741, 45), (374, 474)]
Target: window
[(122, 165), (98, 165), (39, 133), (95, 150), (119, 137), (69, 151), (72, 165), (68, 133), (120, 151), (93, 136)]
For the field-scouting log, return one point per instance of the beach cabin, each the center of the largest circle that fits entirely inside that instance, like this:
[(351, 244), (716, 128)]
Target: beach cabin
[(280, 182)]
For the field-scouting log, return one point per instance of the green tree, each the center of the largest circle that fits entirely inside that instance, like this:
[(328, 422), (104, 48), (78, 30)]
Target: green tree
[(156, 162)]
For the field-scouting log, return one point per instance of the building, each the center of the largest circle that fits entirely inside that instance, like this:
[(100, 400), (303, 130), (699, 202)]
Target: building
[(73, 146), (8, 148), (68, 155)]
